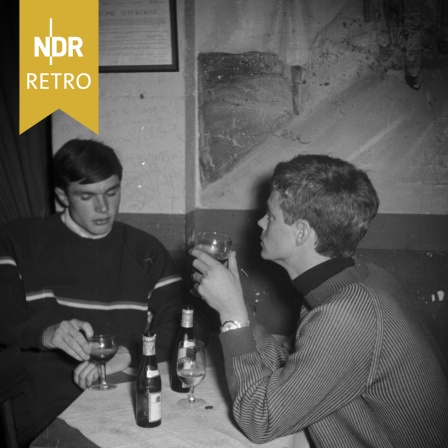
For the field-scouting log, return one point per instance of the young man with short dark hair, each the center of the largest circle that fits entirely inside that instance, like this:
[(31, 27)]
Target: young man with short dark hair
[(360, 372), (76, 273)]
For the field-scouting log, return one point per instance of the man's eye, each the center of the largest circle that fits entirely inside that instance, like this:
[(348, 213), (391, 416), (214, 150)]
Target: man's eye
[(85, 197), (112, 193)]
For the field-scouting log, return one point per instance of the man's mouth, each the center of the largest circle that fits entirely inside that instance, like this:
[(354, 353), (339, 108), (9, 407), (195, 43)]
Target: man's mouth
[(101, 222)]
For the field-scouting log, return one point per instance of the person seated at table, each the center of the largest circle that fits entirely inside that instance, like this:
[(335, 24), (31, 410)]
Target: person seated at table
[(76, 273), (360, 372)]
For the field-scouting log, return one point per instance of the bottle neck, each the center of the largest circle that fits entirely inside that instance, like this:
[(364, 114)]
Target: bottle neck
[(187, 318), (149, 345), (149, 360)]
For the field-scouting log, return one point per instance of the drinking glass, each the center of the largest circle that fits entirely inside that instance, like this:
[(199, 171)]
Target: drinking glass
[(191, 370), (215, 244), (104, 347)]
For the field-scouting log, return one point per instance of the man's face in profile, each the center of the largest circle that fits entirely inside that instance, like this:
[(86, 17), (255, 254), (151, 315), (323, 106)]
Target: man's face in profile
[(93, 207), (277, 238)]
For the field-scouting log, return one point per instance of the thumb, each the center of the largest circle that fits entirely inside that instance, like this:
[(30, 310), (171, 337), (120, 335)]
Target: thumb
[(233, 265)]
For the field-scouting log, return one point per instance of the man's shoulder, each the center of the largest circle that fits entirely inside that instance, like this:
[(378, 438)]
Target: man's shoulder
[(30, 226), (377, 278), (26, 236)]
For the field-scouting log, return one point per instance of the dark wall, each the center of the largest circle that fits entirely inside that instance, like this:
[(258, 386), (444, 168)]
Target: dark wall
[(412, 247)]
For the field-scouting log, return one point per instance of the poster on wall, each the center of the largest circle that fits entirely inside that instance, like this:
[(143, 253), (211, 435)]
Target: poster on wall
[(138, 36)]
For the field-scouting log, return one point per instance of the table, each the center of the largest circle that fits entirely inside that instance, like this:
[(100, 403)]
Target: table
[(106, 420)]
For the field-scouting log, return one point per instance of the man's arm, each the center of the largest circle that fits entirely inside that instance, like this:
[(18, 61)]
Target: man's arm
[(165, 303), (20, 325), (32, 328), (274, 396), (165, 297), (327, 370)]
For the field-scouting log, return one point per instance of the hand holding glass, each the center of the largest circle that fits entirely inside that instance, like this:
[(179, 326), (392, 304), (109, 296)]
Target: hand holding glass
[(103, 349), (191, 370)]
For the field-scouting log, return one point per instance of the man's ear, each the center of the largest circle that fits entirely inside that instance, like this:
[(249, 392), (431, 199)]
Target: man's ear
[(302, 231), (61, 196)]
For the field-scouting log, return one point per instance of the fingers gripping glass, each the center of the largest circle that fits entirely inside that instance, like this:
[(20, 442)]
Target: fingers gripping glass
[(103, 348), (217, 245), (191, 367)]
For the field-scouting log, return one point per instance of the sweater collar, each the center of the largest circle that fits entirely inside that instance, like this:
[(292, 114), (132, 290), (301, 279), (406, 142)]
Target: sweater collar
[(317, 275), (75, 228)]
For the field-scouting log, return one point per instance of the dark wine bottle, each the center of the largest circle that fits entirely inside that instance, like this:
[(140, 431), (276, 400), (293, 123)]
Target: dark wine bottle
[(148, 410), (186, 331)]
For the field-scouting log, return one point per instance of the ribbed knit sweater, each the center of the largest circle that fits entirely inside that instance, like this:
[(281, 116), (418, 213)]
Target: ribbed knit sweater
[(49, 274), (362, 373)]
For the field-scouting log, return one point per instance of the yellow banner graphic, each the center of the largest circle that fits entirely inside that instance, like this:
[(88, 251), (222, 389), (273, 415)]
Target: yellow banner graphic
[(58, 61)]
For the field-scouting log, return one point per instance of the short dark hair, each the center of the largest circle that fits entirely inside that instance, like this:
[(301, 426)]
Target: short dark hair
[(85, 161), (337, 199)]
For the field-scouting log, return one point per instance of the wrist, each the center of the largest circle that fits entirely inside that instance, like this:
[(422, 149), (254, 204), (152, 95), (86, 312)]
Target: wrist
[(239, 315), (43, 341), (233, 325)]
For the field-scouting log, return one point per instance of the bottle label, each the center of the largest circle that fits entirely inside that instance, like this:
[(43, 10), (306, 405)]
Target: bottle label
[(154, 407), (152, 373), (187, 319)]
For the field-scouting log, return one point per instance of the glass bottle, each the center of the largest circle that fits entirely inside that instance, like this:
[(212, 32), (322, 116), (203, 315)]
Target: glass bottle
[(186, 331), (149, 386)]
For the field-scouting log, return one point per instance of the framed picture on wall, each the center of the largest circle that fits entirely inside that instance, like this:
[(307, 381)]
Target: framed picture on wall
[(138, 36)]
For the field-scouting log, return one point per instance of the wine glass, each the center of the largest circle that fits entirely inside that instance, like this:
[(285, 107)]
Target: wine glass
[(103, 348), (191, 370), (217, 245)]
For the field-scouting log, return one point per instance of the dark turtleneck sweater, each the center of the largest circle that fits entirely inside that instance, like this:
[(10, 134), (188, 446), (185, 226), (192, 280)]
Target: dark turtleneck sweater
[(315, 276)]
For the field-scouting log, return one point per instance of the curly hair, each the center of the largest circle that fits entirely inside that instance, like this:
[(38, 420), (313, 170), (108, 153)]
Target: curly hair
[(337, 199)]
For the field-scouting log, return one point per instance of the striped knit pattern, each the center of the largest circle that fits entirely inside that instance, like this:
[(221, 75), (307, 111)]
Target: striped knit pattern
[(362, 373), (109, 282), (49, 274)]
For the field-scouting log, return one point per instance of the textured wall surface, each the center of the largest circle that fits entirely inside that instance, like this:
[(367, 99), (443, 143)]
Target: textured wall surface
[(353, 107), (142, 116), (243, 98), (284, 27)]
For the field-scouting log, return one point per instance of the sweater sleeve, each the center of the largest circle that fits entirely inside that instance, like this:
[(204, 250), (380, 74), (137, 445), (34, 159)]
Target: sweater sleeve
[(19, 324), (13, 375), (329, 367), (165, 299)]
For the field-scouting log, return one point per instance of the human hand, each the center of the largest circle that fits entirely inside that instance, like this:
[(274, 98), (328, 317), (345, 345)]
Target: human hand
[(219, 286), (67, 336), (86, 373)]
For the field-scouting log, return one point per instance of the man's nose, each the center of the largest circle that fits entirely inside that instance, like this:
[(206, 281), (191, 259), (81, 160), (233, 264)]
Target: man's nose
[(102, 205), (261, 222)]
